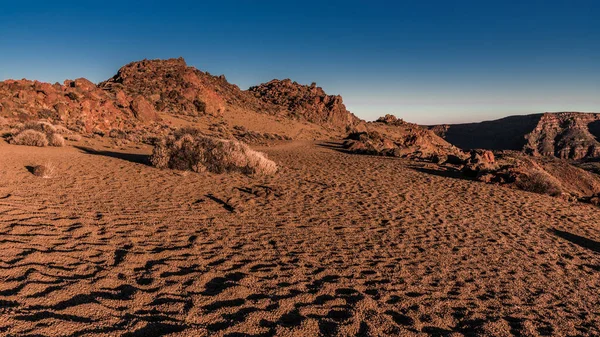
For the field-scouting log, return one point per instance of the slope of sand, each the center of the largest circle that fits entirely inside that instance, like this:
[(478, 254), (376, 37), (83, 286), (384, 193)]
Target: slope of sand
[(335, 244)]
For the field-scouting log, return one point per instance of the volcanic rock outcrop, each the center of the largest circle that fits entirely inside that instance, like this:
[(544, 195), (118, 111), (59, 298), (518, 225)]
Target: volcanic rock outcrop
[(78, 104), (141, 90), (306, 102), (515, 169), (567, 135), (390, 136), (173, 87)]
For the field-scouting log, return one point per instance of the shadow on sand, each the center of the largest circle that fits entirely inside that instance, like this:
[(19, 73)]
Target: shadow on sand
[(449, 173), (336, 146), (578, 240), (132, 157)]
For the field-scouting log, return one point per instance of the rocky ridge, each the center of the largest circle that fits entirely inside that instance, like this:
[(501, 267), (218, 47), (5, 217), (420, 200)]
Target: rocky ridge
[(141, 90)]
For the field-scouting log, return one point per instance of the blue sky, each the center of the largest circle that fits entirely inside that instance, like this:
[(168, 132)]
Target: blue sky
[(424, 61)]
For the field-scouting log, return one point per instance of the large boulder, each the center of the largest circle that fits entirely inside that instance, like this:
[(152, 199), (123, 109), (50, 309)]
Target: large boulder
[(143, 110)]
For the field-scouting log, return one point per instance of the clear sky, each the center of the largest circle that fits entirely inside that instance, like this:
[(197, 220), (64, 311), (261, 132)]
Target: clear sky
[(424, 61)]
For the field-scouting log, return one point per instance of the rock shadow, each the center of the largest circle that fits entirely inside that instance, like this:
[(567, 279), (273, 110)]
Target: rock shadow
[(131, 157), (578, 240)]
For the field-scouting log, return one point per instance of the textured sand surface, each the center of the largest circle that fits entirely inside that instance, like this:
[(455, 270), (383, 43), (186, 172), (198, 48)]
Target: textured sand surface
[(335, 244)]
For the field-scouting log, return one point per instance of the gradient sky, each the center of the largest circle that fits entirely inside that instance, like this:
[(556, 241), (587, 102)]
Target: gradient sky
[(424, 61)]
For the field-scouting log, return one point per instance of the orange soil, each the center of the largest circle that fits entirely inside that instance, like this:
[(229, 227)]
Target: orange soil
[(334, 244)]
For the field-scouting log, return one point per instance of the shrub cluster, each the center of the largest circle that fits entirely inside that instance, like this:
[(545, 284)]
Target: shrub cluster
[(189, 150), (40, 134)]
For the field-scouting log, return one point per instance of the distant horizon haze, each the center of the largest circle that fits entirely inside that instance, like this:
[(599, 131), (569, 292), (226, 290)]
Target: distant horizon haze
[(428, 63)]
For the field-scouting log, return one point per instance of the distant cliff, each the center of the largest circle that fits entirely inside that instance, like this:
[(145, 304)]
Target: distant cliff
[(569, 135)]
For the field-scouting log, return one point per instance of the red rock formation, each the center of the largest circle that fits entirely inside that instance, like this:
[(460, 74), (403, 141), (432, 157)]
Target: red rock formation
[(79, 104), (390, 136), (141, 90), (143, 110), (306, 102), (173, 87)]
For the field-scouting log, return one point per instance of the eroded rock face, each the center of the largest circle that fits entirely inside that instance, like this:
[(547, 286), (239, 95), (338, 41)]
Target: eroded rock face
[(568, 135), (308, 102), (564, 135)]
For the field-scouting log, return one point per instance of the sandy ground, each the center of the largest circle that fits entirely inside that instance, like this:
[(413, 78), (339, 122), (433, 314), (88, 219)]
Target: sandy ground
[(335, 244)]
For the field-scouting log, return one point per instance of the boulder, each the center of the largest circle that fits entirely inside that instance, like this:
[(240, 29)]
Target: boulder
[(142, 110)]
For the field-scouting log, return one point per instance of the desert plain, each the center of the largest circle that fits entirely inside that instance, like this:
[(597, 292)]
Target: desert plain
[(337, 242)]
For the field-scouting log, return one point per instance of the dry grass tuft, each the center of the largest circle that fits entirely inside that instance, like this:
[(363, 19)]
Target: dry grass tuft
[(199, 153), (30, 138), (44, 171)]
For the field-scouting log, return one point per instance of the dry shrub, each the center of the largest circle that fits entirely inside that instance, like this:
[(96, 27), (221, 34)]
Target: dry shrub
[(188, 130), (199, 153), (539, 182), (44, 171), (32, 133), (44, 127), (56, 140), (30, 138)]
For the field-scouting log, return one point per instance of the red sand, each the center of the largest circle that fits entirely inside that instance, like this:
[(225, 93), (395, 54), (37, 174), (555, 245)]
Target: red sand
[(334, 244)]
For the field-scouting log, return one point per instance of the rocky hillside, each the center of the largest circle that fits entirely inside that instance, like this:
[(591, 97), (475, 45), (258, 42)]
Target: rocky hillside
[(79, 104), (174, 88), (141, 90), (306, 102), (568, 135)]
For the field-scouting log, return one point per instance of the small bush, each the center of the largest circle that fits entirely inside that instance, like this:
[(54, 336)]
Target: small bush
[(30, 138), (44, 171), (199, 153), (41, 134), (538, 182), (188, 130), (56, 140)]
